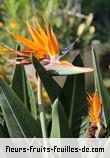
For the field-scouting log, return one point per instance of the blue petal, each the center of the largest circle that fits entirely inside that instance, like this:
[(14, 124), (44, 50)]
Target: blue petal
[(67, 49), (70, 47)]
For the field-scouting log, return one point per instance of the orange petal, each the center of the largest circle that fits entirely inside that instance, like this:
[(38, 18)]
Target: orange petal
[(90, 99), (39, 55), (63, 62), (42, 32), (38, 37), (31, 32), (95, 102), (24, 40), (91, 116), (49, 34), (55, 42), (53, 46), (97, 105), (27, 42)]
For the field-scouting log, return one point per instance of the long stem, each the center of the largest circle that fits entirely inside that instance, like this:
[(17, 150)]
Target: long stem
[(41, 109)]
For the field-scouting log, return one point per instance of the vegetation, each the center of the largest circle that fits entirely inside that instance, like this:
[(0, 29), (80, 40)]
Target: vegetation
[(43, 89)]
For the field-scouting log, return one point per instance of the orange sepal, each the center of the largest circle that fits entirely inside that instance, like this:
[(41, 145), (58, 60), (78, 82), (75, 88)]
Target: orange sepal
[(50, 45), (25, 41), (40, 29), (95, 109)]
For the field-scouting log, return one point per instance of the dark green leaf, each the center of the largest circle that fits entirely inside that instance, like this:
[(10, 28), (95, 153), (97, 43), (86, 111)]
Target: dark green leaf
[(3, 131), (60, 128), (32, 100), (22, 87), (73, 99), (50, 85), (99, 84), (18, 119), (19, 84)]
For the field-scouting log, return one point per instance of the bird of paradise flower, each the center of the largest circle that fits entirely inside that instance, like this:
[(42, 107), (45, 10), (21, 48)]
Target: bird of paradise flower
[(95, 109), (45, 47)]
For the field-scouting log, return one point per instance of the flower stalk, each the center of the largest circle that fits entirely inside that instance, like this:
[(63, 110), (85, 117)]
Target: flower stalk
[(41, 109)]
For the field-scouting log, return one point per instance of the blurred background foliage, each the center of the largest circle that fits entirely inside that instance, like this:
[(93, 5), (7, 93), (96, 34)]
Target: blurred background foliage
[(101, 11), (69, 19)]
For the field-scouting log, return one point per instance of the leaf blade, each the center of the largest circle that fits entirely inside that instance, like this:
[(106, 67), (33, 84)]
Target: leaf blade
[(74, 102), (53, 90), (102, 90), (19, 121), (22, 87), (60, 128)]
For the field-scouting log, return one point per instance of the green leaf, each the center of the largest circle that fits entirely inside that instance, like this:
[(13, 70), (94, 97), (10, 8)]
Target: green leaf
[(99, 85), (50, 85), (32, 100), (60, 128), (19, 84), (3, 131), (22, 87), (73, 99), (18, 119)]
